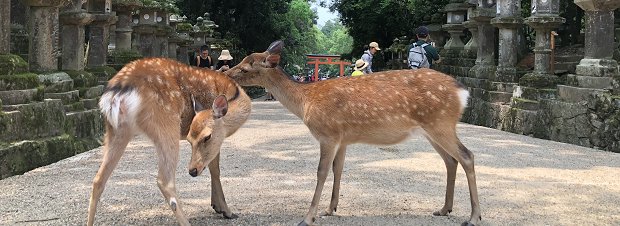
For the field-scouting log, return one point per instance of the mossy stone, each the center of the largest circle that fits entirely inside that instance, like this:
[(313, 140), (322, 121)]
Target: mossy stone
[(539, 81), (19, 81), (82, 78), (12, 64), (103, 73), (119, 58)]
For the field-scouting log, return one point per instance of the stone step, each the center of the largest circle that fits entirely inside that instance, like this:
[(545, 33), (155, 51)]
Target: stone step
[(568, 58), (92, 92), (76, 106), (56, 82), (577, 94), (503, 97), (537, 94), (66, 97), (474, 82), (90, 103), (524, 104), (504, 86), (570, 67), (12, 97), (590, 82)]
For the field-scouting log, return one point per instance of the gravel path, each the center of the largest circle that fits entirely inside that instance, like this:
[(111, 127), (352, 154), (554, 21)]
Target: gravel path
[(269, 173)]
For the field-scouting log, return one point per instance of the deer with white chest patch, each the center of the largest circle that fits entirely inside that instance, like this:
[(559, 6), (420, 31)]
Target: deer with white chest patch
[(381, 108), (164, 100)]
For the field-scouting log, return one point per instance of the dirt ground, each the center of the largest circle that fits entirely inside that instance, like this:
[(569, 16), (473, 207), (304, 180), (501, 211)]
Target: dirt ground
[(269, 174)]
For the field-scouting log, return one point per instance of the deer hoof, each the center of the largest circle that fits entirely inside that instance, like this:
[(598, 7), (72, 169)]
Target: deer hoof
[(303, 223), (326, 213), (216, 208), (442, 213), (467, 223), (230, 216)]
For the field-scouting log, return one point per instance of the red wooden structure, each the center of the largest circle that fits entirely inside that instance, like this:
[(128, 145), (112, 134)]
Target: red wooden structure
[(318, 59)]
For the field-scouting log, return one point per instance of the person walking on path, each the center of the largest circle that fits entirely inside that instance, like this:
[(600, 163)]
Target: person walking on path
[(373, 47)]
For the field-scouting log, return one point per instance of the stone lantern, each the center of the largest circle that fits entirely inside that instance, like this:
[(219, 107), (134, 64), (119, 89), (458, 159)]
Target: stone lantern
[(456, 15), (544, 19), (124, 10), (145, 31), (546, 7), (485, 56), (73, 20), (596, 70), (174, 38), (100, 31), (508, 21)]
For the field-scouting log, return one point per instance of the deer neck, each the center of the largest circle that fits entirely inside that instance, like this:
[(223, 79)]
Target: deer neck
[(290, 93)]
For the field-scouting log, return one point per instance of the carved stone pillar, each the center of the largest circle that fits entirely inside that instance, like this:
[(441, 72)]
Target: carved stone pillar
[(43, 30), (598, 60), (5, 26)]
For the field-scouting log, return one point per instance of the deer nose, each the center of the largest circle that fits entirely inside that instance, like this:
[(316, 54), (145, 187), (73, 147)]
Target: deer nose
[(193, 172)]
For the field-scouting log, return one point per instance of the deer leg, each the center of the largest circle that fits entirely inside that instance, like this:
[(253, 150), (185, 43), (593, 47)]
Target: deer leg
[(467, 161), (328, 153), (337, 169), (218, 201), (115, 144), (165, 136), (453, 146), (451, 165)]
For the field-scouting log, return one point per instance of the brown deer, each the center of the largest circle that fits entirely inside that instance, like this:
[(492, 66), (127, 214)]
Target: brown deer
[(163, 99), (381, 108)]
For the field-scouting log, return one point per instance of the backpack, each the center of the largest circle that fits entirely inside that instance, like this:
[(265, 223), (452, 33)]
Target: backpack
[(417, 57)]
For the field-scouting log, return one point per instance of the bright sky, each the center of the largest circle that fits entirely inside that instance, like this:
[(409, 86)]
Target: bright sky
[(324, 14)]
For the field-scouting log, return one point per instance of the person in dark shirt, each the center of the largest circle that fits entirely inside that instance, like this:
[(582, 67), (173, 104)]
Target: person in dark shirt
[(422, 33), (204, 60)]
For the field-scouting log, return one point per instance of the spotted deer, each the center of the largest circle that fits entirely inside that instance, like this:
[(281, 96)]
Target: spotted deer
[(382, 108), (165, 100)]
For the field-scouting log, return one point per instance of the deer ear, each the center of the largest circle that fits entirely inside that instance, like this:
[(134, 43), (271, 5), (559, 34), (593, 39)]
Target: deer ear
[(220, 107), (275, 47), (197, 106)]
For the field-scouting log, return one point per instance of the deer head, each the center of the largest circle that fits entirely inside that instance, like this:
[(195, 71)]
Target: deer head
[(206, 134), (247, 73)]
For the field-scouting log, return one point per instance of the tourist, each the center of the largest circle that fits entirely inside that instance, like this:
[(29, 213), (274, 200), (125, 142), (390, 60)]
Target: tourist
[(373, 47), (359, 66), (204, 60), (224, 61)]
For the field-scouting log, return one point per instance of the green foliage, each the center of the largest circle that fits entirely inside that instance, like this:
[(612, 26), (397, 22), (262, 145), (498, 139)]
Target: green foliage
[(246, 24), (336, 39), (298, 33), (167, 5), (181, 27)]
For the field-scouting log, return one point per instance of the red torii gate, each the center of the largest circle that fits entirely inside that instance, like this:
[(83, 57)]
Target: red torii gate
[(318, 59)]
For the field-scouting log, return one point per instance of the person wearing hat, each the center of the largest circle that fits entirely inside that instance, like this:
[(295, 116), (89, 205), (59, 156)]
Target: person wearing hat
[(224, 61), (422, 33), (373, 47), (359, 66)]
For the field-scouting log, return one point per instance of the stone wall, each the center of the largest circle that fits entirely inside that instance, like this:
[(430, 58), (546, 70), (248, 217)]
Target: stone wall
[(45, 117)]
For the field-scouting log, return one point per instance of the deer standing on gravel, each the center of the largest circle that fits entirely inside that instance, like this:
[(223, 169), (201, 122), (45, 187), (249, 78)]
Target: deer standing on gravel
[(164, 99), (381, 108)]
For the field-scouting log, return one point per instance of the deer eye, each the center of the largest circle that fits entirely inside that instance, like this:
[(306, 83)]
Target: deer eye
[(204, 140)]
